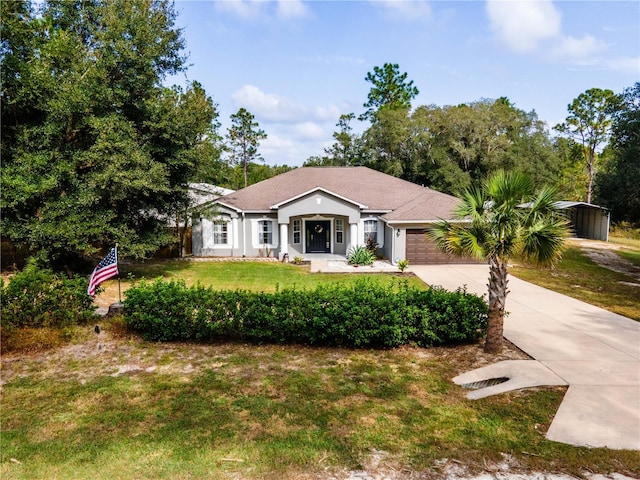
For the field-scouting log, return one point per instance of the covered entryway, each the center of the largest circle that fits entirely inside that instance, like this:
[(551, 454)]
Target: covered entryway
[(318, 236), (422, 251)]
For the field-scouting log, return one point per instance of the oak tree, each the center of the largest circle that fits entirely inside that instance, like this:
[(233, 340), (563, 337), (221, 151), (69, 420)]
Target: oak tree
[(95, 149)]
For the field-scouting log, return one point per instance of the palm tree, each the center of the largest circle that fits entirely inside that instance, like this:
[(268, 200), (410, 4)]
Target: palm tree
[(503, 218)]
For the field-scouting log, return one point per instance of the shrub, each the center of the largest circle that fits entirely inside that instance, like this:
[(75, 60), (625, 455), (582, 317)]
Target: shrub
[(37, 298), (372, 246), (403, 264), (363, 314), (359, 255), (442, 317)]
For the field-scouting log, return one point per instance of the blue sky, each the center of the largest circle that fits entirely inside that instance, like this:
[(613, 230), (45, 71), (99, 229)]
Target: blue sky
[(298, 65)]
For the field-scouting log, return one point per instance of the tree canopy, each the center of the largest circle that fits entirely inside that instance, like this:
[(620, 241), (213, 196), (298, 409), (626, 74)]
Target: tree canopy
[(617, 185), (589, 123), (390, 90), (451, 148), (244, 138), (95, 149)]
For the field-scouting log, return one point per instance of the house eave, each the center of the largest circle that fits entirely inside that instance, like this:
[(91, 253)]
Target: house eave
[(419, 222), (314, 190), (227, 205)]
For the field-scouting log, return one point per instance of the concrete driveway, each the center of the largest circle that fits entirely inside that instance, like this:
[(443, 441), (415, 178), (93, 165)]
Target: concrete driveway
[(595, 352)]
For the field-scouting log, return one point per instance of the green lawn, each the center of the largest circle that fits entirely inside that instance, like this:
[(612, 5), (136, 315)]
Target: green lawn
[(256, 276), (248, 412), (115, 407)]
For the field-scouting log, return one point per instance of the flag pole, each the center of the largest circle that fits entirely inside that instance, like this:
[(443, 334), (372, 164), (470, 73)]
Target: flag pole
[(119, 289)]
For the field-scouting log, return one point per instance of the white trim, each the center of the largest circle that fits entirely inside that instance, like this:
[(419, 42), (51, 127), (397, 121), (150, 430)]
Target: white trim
[(353, 236), (284, 234), (293, 230), (420, 222), (208, 233), (316, 218), (231, 207), (335, 230), (234, 226), (317, 189), (379, 234), (255, 232)]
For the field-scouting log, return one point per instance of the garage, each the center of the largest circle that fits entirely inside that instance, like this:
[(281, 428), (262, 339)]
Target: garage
[(422, 251)]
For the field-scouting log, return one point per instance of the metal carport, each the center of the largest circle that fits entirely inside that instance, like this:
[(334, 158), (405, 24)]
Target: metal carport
[(587, 220)]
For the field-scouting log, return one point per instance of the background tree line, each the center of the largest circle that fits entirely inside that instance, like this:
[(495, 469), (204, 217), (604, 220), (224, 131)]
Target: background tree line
[(594, 158), (96, 150)]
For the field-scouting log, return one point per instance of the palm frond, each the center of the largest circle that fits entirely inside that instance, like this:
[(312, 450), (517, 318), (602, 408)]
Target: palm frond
[(544, 240), (458, 239), (508, 189), (473, 205), (499, 227), (543, 204)]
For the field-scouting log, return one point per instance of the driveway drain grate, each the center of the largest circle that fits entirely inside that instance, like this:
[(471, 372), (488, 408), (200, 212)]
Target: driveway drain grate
[(484, 383)]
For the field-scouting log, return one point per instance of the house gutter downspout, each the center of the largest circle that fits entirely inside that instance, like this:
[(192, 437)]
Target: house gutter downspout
[(244, 236)]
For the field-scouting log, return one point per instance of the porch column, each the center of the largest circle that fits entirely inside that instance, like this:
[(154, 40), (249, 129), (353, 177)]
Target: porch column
[(284, 239), (353, 234)]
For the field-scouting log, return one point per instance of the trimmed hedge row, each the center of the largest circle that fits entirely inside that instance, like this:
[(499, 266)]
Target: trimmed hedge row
[(38, 297), (363, 314)]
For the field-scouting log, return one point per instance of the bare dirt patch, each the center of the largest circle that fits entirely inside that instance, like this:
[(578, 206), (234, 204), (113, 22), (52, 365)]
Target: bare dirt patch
[(604, 254), (111, 353)]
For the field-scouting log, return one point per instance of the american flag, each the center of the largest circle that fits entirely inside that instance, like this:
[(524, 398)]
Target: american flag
[(107, 268)]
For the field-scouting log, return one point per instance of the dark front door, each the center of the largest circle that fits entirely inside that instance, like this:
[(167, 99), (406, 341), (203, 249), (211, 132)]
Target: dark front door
[(318, 236)]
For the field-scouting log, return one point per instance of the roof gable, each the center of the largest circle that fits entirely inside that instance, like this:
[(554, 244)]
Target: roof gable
[(317, 189)]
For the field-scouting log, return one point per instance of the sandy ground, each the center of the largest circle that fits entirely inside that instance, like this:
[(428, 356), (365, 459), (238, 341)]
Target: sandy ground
[(604, 254)]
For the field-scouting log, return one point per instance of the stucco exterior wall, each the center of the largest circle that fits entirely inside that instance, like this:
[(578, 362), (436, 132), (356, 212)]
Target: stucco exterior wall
[(318, 203), (202, 235)]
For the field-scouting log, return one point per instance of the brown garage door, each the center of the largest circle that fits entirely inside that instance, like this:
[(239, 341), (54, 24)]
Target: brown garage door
[(422, 251)]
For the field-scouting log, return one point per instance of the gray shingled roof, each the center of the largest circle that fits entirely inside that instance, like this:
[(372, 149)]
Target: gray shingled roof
[(378, 191)]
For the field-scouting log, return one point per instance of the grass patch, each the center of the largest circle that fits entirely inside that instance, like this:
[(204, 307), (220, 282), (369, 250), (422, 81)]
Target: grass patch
[(632, 256), (254, 276), (577, 276), (626, 242), (269, 412)]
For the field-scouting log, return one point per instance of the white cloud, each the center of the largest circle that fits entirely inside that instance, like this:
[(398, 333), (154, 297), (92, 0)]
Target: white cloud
[(276, 108), (309, 131), (330, 112), (535, 26), (405, 9), (277, 150), (268, 106), (251, 9), (585, 50), (292, 9), (624, 64), (273, 143), (241, 8), (294, 131), (522, 24)]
